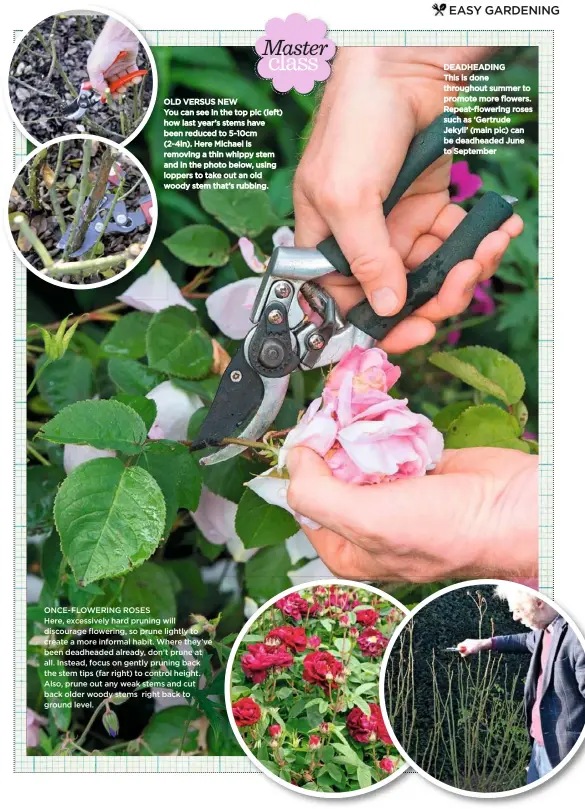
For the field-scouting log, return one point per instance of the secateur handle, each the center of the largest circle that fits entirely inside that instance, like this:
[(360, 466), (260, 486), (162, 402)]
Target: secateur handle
[(425, 281)]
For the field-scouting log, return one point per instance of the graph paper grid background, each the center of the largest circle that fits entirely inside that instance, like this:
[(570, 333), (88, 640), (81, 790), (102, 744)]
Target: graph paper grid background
[(544, 40)]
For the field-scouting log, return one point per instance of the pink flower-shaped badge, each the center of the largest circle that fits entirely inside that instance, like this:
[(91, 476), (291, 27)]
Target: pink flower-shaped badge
[(294, 53)]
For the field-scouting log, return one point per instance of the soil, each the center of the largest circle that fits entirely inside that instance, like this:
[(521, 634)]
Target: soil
[(44, 222), (39, 93)]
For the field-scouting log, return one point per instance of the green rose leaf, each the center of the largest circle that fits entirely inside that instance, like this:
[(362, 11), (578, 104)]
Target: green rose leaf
[(177, 345), (258, 523), (485, 369), (449, 413), (177, 472), (200, 246), (127, 337), (364, 776), (244, 212), (42, 483), (65, 381), (266, 573), (110, 518), (227, 478), (170, 732), (133, 377), (103, 424), (146, 408), (485, 426), (51, 558)]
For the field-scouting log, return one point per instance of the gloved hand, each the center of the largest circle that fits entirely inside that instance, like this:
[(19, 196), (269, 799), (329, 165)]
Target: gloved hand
[(102, 66)]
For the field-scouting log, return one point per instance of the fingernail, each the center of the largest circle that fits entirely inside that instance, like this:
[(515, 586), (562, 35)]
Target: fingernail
[(384, 301)]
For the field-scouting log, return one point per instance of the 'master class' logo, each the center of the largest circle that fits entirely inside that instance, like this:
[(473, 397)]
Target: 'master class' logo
[(294, 53)]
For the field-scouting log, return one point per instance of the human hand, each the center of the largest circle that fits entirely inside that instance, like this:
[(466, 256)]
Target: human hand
[(374, 104), (103, 65), (471, 646), (474, 516)]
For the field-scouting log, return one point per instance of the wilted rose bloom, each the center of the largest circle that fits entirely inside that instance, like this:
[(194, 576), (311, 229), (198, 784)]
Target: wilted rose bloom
[(246, 712), (293, 637), (259, 659), (293, 606), (275, 731), (314, 641), (387, 764), (321, 668), (372, 642), (361, 727), (314, 742), (367, 617), (34, 723), (363, 434)]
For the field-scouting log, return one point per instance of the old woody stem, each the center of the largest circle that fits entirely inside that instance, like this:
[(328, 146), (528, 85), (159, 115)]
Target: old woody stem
[(33, 180), (106, 220), (31, 236), (53, 196), (92, 265), (60, 70), (97, 194), (73, 239)]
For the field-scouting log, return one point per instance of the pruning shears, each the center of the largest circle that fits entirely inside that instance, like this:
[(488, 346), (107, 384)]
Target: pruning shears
[(120, 221), (283, 339), (88, 98), (460, 649)]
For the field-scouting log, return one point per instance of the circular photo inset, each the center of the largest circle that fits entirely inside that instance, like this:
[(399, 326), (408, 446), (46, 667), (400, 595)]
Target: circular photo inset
[(81, 211), (302, 688), (483, 688), (82, 72)]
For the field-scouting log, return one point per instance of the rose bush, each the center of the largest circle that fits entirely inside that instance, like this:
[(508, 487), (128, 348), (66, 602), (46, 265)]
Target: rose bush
[(316, 722)]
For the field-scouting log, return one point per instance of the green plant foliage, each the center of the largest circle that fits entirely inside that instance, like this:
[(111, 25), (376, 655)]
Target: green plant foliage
[(485, 369), (110, 518), (127, 337), (304, 727), (259, 524), (200, 245), (485, 426), (177, 345), (101, 424)]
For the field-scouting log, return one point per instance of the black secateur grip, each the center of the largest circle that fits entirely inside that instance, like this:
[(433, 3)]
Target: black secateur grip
[(426, 280)]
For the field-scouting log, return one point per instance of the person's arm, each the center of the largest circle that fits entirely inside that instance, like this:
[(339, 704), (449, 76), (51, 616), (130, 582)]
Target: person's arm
[(522, 642), (579, 665), (375, 102), (474, 516), (471, 646)]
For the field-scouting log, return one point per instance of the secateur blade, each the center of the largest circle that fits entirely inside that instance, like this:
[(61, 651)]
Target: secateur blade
[(239, 398)]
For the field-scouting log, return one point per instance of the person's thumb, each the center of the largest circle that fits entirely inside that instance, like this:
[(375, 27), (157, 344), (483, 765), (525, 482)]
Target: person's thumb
[(313, 491), (363, 237), (98, 82)]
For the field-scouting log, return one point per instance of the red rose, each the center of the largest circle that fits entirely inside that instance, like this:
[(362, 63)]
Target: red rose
[(365, 728), (246, 712), (259, 659), (322, 668), (293, 606), (372, 642), (293, 637), (361, 727), (275, 731), (367, 617), (383, 734), (387, 764)]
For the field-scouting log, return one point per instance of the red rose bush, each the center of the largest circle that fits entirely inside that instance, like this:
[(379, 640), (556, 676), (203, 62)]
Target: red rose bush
[(304, 688)]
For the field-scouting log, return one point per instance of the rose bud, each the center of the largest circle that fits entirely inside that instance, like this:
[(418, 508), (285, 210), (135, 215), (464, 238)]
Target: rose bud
[(314, 742), (319, 590), (344, 620), (275, 730), (111, 723), (387, 764), (354, 632), (339, 678), (372, 737), (314, 641), (324, 727)]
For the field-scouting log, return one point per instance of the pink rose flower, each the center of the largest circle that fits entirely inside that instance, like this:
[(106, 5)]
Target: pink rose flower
[(231, 306), (365, 435), (153, 291), (34, 723)]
